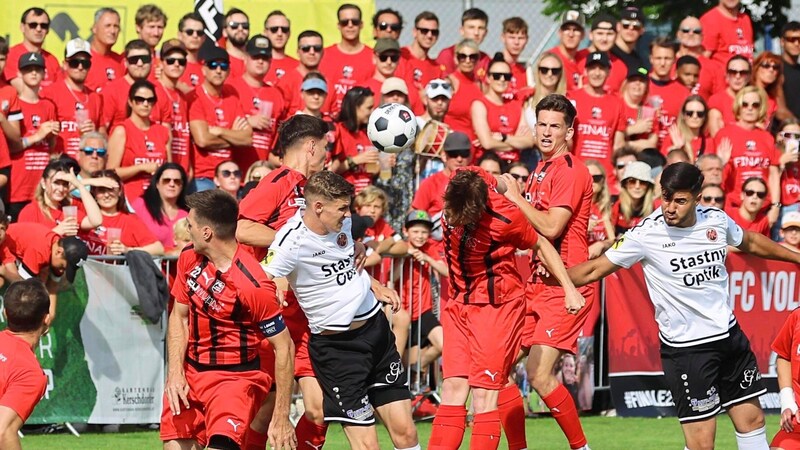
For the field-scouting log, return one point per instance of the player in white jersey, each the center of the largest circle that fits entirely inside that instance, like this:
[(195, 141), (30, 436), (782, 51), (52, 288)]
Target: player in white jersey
[(352, 347), (706, 358)]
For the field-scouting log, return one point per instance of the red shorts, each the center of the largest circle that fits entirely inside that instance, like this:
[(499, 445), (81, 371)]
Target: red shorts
[(220, 403), (547, 321), (787, 441), (481, 342), (296, 322)]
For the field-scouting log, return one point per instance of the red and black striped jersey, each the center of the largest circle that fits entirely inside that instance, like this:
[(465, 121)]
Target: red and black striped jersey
[(480, 257), (229, 312)]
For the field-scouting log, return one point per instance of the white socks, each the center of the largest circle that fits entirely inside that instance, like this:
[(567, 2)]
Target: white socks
[(754, 440), (416, 447)]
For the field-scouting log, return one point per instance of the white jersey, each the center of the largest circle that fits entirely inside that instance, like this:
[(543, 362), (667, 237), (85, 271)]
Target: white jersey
[(320, 270), (684, 269)]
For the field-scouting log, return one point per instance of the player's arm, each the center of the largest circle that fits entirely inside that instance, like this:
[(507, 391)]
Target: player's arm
[(252, 233), (759, 245), (573, 300), (550, 223), (385, 294), (10, 423), (788, 404), (591, 270), (177, 340), (281, 431)]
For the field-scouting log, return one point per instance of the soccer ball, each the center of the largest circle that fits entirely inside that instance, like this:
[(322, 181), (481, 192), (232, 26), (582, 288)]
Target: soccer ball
[(392, 128)]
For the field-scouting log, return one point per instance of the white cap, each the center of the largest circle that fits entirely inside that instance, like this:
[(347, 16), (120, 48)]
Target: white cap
[(638, 170), (437, 87), (394, 84), (76, 46)]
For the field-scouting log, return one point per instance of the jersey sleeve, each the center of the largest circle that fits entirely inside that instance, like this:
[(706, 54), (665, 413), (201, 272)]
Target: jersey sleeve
[(261, 203), (782, 345), (626, 252), (25, 388), (734, 234), (265, 311), (282, 255)]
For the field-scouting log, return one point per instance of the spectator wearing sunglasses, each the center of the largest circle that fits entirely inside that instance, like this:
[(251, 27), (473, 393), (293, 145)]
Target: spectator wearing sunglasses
[(750, 214), (570, 35), (630, 29), (787, 140), (78, 109), (92, 157), (690, 132), (548, 78), (235, 34), (474, 26), (277, 28), (106, 63), (601, 232), (466, 88), (520, 173), (174, 60), (348, 62), (150, 23), (228, 177), (636, 198), (790, 45), (309, 55), (728, 31), (163, 203), (767, 74), (602, 36), (710, 76), (35, 24), (641, 120), (712, 195), (386, 58), (191, 33), (416, 66), (387, 23), (514, 37), (737, 75)]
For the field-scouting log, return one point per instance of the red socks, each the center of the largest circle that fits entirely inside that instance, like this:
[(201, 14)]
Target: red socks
[(253, 440), (563, 409), (448, 428), (485, 431), (512, 416), (310, 436)]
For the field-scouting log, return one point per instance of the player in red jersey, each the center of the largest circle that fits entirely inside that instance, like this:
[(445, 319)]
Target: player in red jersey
[(191, 32), (482, 231), (277, 28), (264, 210), (309, 54), (474, 26), (557, 201), (416, 66), (224, 306), (665, 93), (728, 31), (34, 25), (22, 381), (174, 60), (785, 345), (106, 64), (570, 35)]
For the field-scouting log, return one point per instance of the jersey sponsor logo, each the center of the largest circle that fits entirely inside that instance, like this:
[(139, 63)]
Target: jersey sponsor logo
[(363, 413), (711, 234), (619, 242), (490, 374), (668, 245), (343, 271), (319, 253), (218, 287), (395, 370), (194, 79), (550, 332), (234, 425), (739, 33), (341, 240), (111, 74), (176, 107), (750, 145), (269, 257), (347, 71), (748, 377), (503, 120), (417, 74), (694, 278), (596, 112), (279, 73), (705, 404), (36, 120)]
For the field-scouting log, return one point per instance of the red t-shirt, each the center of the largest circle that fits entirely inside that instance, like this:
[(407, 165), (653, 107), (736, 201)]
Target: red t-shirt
[(31, 244), (134, 233), (28, 165), (599, 118), (711, 80), (786, 344), (105, 69), (52, 68), (631, 115), (790, 184), (344, 71), (701, 145), (228, 310), (33, 213), (725, 37), (280, 67), (351, 144), (598, 233), (430, 194), (417, 73), (573, 70), (504, 119), (71, 106), (22, 381), (447, 61), (671, 95), (289, 85), (753, 152), (616, 76), (273, 202), (723, 102), (759, 225), (237, 65), (179, 127), (143, 147), (251, 99), (216, 111), (115, 104), (193, 75), (10, 107), (415, 281), (459, 115)]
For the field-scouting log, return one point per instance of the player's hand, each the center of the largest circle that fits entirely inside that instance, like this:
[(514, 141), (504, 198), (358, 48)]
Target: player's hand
[(281, 434), (177, 390), (573, 300), (359, 256), (787, 418), (388, 296), (513, 192)]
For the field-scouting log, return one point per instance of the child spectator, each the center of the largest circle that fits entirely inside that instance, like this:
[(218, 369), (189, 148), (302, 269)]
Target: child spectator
[(790, 230)]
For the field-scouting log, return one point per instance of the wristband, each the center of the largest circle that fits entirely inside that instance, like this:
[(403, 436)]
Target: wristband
[(787, 400)]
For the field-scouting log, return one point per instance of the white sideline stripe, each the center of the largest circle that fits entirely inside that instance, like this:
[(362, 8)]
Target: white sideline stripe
[(631, 374), (702, 416)]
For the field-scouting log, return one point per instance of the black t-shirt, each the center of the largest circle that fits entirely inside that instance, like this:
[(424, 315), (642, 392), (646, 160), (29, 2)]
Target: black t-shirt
[(791, 87), (632, 60)]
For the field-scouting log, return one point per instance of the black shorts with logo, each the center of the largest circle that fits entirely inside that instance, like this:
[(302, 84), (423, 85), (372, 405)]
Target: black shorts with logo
[(705, 378), (358, 370), (423, 326)]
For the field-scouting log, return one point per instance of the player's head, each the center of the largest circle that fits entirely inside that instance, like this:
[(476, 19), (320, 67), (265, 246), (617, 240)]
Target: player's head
[(681, 184), (212, 218), (372, 202), (27, 306), (303, 137), (465, 198), (328, 198), (417, 228), (67, 255), (555, 116)]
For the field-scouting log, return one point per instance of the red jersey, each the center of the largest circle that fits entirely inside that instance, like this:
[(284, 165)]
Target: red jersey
[(564, 182), (134, 233), (504, 119), (72, 108), (52, 68), (31, 244), (230, 312), (573, 71), (759, 225), (105, 69), (252, 99), (115, 104), (273, 202), (597, 233), (723, 102), (379, 231), (179, 127), (701, 145), (415, 281), (417, 73), (786, 344), (753, 152), (280, 67), (670, 95), (32, 213), (289, 85), (344, 71), (237, 65), (218, 111), (481, 258), (459, 115), (724, 36), (447, 61), (22, 381), (790, 184), (430, 194), (632, 114), (28, 165), (143, 147), (9, 107), (351, 144), (599, 118), (193, 75)]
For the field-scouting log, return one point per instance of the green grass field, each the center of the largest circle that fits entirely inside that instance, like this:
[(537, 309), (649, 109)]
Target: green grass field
[(609, 433)]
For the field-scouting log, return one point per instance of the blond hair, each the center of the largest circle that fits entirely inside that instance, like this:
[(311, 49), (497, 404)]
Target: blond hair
[(370, 194), (602, 198), (539, 93)]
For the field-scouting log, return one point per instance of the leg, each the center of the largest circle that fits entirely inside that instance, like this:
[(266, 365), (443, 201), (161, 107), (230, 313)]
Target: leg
[(486, 429), (256, 437), (361, 437), (512, 415), (449, 423), (311, 428), (401, 320), (182, 444), (700, 435), (748, 419), (396, 417), (434, 350)]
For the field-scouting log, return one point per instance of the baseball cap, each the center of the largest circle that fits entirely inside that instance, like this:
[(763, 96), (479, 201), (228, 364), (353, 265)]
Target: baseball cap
[(216, 54), (394, 84), (437, 87), (76, 46), (385, 45), (314, 83), (573, 17), (790, 219), (631, 13), (598, 58), (602, 17), (456, 141), (638, 72), (258, 46), (173, 45), (638, 170), (31, 60), (418, 216), (75, 252)]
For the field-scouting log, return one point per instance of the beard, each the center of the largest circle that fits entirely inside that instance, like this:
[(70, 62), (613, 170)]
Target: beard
[(237, 42)]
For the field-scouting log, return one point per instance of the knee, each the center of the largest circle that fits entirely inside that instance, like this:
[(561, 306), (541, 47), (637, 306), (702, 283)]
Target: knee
[(401, 318), (542, 381), (406, 437), (314, 414)]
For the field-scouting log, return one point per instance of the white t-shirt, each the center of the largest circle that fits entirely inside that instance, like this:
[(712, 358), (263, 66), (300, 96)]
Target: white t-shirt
[(320, 270), (684, 269)]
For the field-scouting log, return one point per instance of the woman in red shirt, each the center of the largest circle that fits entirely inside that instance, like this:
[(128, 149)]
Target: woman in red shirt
[(601, 232), (787, 140), (466, 88), (750, 214), (548, 78), (768, 75), (137, 147), (496, 121), (641, 120), (636, 199), (690, 132), (354, 156)]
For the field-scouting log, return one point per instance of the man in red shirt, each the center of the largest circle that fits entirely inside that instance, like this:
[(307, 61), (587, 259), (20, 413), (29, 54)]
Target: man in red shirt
[(690, 37), (602, 37), (10, 118), (738, 72), (106, 64), (236, 32), (386, 59), (191, 32), (416, 67), (34, 25), (277, 29), (476, 357), (570, 35), (665, 93), (387, 23), (216, 120), (557, 202), (22, 381), (348, 62), (728, 31), (309, 54), (514, 37), (150, 23), (474, 25), (174, 60), (224, 306)]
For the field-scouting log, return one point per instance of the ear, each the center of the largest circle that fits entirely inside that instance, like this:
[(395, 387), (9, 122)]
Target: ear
[(570, 133)]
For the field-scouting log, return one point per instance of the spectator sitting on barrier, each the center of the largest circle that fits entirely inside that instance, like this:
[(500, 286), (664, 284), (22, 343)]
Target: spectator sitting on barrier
[(163, 203), (120, 231), (790, 230)]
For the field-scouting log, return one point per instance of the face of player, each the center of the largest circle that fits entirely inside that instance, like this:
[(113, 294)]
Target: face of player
[(662, 59), (142, 102), (151, 32), (107, 199), (373, 210), (790, 42), (694, 114), (364, 110), (466, 59), (32, 76), (279, 37), (753, 196), (570, 36), (257, 66), (418, 235), (550, 70), (491, 166), (688, 75), (690, 33), (388, 27), (426, 33), (552, 132), (229, 178), (679, 210), (170, 185), (56, 187), (173, 65), (791, 236), (314, 99), (498, 72), (751, 107), (332, 213), (474, 29), (712, 196), (629, 31), (140, 69), (711, 169), (738, 74), (597, 74), (521, 175), (79, 73), (237, 29), (92, 162), (350, 24), (622, 163), (514, 43), (35, 28), (192, 35), (437, 107), (106, 29), (216, 77), (767, 72), (317, 155), (386, 63), (603, 36), (308, 53), (198, 235)]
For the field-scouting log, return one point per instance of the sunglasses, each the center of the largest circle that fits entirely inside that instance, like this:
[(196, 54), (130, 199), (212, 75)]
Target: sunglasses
[(350, 22), (464, 56), (75, 63), (598, 178), (36, 25), (308, 48), (284, 30), (214, 65), (99, 151), (631, 25), (458, 153), (768, 65), (754, 105), (437, 85), (228, 173), (738, 73), (432, 31), (242, 25), (789, 135), (394, 57), (634, 182), (172, 61), (139, 100), (177, 181), (191, 32), (497, 76), (793, 39), (97, 190), (384, 26), (551, 70), (709, 199), (518, 177), (759, 194), (144, 59), (695, 113), (692, 30)]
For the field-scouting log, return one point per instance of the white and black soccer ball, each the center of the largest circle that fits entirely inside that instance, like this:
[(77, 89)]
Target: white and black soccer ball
[(392, 128)]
